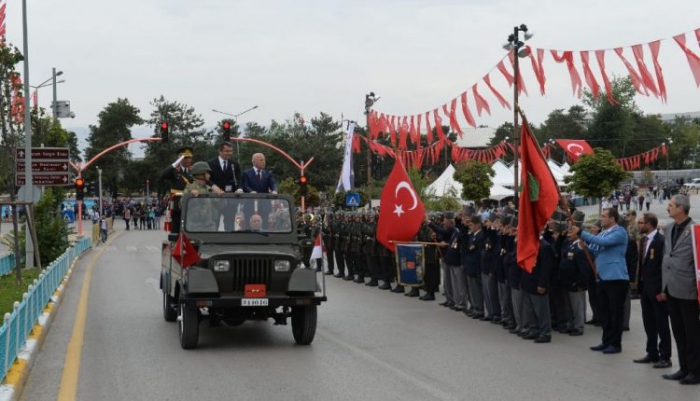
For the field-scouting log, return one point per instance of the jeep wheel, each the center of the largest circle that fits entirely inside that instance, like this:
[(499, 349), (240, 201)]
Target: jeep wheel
[(189, 326), (169, 311), (304, 324)]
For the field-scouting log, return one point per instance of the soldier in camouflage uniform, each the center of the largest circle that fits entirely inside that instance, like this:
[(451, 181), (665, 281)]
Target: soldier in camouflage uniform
[(201, 218), (337, 227), (356, 242), (346, 238), (369, 232), (328, 236)]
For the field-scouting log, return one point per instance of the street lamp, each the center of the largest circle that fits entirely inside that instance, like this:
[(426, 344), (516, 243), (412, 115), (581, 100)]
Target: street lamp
[(99, 188), (235, 121), (44, 85), (514, 44), (668, 143), (55, 102)]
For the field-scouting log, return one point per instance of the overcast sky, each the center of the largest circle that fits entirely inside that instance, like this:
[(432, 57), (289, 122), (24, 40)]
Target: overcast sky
[(310, 56)]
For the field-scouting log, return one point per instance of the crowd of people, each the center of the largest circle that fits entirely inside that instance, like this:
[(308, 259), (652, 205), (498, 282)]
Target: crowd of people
[(473, 255)]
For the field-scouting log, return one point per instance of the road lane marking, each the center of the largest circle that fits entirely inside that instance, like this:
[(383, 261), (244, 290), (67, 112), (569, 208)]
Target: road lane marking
[(71, 366)]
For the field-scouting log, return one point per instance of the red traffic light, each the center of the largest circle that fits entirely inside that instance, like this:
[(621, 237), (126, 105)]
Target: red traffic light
[(164, 126), (79, 182), (227, 125), (302, 180)]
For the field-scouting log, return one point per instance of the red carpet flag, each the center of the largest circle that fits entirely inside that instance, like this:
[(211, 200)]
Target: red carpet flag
[(319, 248), (401, 212), (184, 252), (538, 199)]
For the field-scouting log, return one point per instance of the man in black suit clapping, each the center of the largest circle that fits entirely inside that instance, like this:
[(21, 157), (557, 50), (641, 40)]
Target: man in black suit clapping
[(259, 180)]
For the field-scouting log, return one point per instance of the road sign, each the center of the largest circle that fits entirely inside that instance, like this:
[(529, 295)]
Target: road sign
[(44, 167), (45, 179), (352, 200), (46, 153), (50, 166)]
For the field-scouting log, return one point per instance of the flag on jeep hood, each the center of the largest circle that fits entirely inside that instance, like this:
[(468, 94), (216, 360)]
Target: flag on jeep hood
[(184, 252)]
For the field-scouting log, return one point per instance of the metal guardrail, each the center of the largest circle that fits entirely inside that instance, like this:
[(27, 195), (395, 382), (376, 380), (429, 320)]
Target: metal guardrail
[(18, 325), (7, 263)]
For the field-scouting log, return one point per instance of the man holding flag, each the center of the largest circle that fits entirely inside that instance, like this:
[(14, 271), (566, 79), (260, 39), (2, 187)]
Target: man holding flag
[(539, 199), (401, 213)]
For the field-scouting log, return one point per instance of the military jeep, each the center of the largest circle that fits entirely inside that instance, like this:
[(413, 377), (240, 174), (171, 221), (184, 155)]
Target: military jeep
[(250, 267)]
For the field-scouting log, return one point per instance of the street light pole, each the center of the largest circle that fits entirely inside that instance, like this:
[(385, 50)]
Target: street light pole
[(99, 188), (55, 102), (29, 184), (235, 122), (514, 44)]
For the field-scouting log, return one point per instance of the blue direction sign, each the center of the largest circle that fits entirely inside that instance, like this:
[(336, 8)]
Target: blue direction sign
[(352, 200)]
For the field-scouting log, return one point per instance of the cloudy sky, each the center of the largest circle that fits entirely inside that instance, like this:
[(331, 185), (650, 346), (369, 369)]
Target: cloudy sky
[(310, 56)]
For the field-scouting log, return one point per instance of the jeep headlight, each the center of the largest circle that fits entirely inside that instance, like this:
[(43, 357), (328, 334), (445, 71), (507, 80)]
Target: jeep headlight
[(222, 266), (281, 265)]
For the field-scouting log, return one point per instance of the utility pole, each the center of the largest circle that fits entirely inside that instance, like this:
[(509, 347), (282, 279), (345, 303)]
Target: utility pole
[(370, 100), (29, 182)]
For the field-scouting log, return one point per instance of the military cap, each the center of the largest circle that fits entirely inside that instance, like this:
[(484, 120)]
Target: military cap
[(559, 216), (578, 217), (505, 220), (185, 151)]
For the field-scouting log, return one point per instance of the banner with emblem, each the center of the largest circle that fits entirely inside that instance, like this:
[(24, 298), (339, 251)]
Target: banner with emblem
[(410, 262), (696, 253)]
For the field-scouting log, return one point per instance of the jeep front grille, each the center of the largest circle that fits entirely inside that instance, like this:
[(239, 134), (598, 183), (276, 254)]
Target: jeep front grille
[(251, 271)]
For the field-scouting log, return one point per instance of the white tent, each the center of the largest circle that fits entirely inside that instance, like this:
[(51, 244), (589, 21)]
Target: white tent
[(446, 185), (504, 175), (556, 171)]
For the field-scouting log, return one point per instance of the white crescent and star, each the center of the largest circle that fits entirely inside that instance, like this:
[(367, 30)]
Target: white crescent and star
[(579, 149), (405, 185)]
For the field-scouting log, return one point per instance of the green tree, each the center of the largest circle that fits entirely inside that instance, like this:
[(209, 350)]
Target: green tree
[(596, 175), (561, 124), (113, 127), (613, 126), (475, 177)]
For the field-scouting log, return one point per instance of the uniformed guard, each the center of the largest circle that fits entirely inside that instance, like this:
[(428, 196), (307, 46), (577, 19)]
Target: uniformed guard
[(369, 232), (337, 227), (489, 283), (356, 243), (347, 239), (204, 216), (472, 265), (328, 236), (179, 176), (575, 269)]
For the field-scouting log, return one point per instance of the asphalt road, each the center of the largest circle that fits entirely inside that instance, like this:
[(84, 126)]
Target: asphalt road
[(370, 345)]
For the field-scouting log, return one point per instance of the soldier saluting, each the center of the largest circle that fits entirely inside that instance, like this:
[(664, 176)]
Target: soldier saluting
[(179, 175)]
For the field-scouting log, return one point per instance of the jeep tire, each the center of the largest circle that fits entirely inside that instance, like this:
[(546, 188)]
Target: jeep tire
[(188, 325), (304, 324), (169, 311)]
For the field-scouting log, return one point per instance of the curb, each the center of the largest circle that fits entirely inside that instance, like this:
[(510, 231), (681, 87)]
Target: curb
[(11, 388)]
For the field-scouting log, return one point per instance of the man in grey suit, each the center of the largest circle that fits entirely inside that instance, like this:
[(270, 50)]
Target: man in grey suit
[(681, 292)]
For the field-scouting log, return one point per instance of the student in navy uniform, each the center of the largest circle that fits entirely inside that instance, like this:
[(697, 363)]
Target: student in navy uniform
[(574, 274), (488, 277), (472, 266), (654, 310), (451, 258), (505, 243), (536, 287), (514, 274)]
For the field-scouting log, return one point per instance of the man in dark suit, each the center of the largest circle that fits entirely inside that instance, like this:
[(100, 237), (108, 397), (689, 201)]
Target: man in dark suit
[(680, 290), (179, 175), (225, 175), (259, 180), (654, 311)]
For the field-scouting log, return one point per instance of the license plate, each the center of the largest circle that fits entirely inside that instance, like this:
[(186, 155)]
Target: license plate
[(254, 302)]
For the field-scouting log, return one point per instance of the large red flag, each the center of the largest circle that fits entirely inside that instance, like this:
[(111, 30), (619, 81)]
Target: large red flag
[(538, 200), (401, 212), (575, 148), (184, 252)]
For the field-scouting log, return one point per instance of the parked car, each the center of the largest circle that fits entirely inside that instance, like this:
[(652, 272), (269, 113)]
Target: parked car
[(692, 184)]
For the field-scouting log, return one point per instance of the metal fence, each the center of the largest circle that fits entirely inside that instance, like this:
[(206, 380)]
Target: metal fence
[(7, 263), (18, 325)]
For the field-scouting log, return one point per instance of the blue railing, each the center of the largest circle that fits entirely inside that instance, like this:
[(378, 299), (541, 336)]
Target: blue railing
[(7, 263), (18, 325)]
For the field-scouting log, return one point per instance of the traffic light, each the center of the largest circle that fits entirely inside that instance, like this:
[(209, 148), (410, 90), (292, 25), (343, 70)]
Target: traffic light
[(302, 185), (227, 131), (164, 131), (79, 189)]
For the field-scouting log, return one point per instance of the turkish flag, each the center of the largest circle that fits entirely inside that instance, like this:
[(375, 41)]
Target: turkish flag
[(401, 213), (184, 252), (538, 199), (575, 148)]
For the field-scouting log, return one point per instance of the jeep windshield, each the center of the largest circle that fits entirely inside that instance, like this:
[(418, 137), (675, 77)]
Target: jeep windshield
[(208, 214)]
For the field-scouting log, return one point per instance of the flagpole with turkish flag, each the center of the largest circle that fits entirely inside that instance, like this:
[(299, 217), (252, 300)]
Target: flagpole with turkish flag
[(401, 210), (539, 199), (184, 252)]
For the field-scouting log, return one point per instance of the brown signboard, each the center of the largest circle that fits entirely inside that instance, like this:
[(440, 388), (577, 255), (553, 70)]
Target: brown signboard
[(45, 179), (44, 167), (46, 153)]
